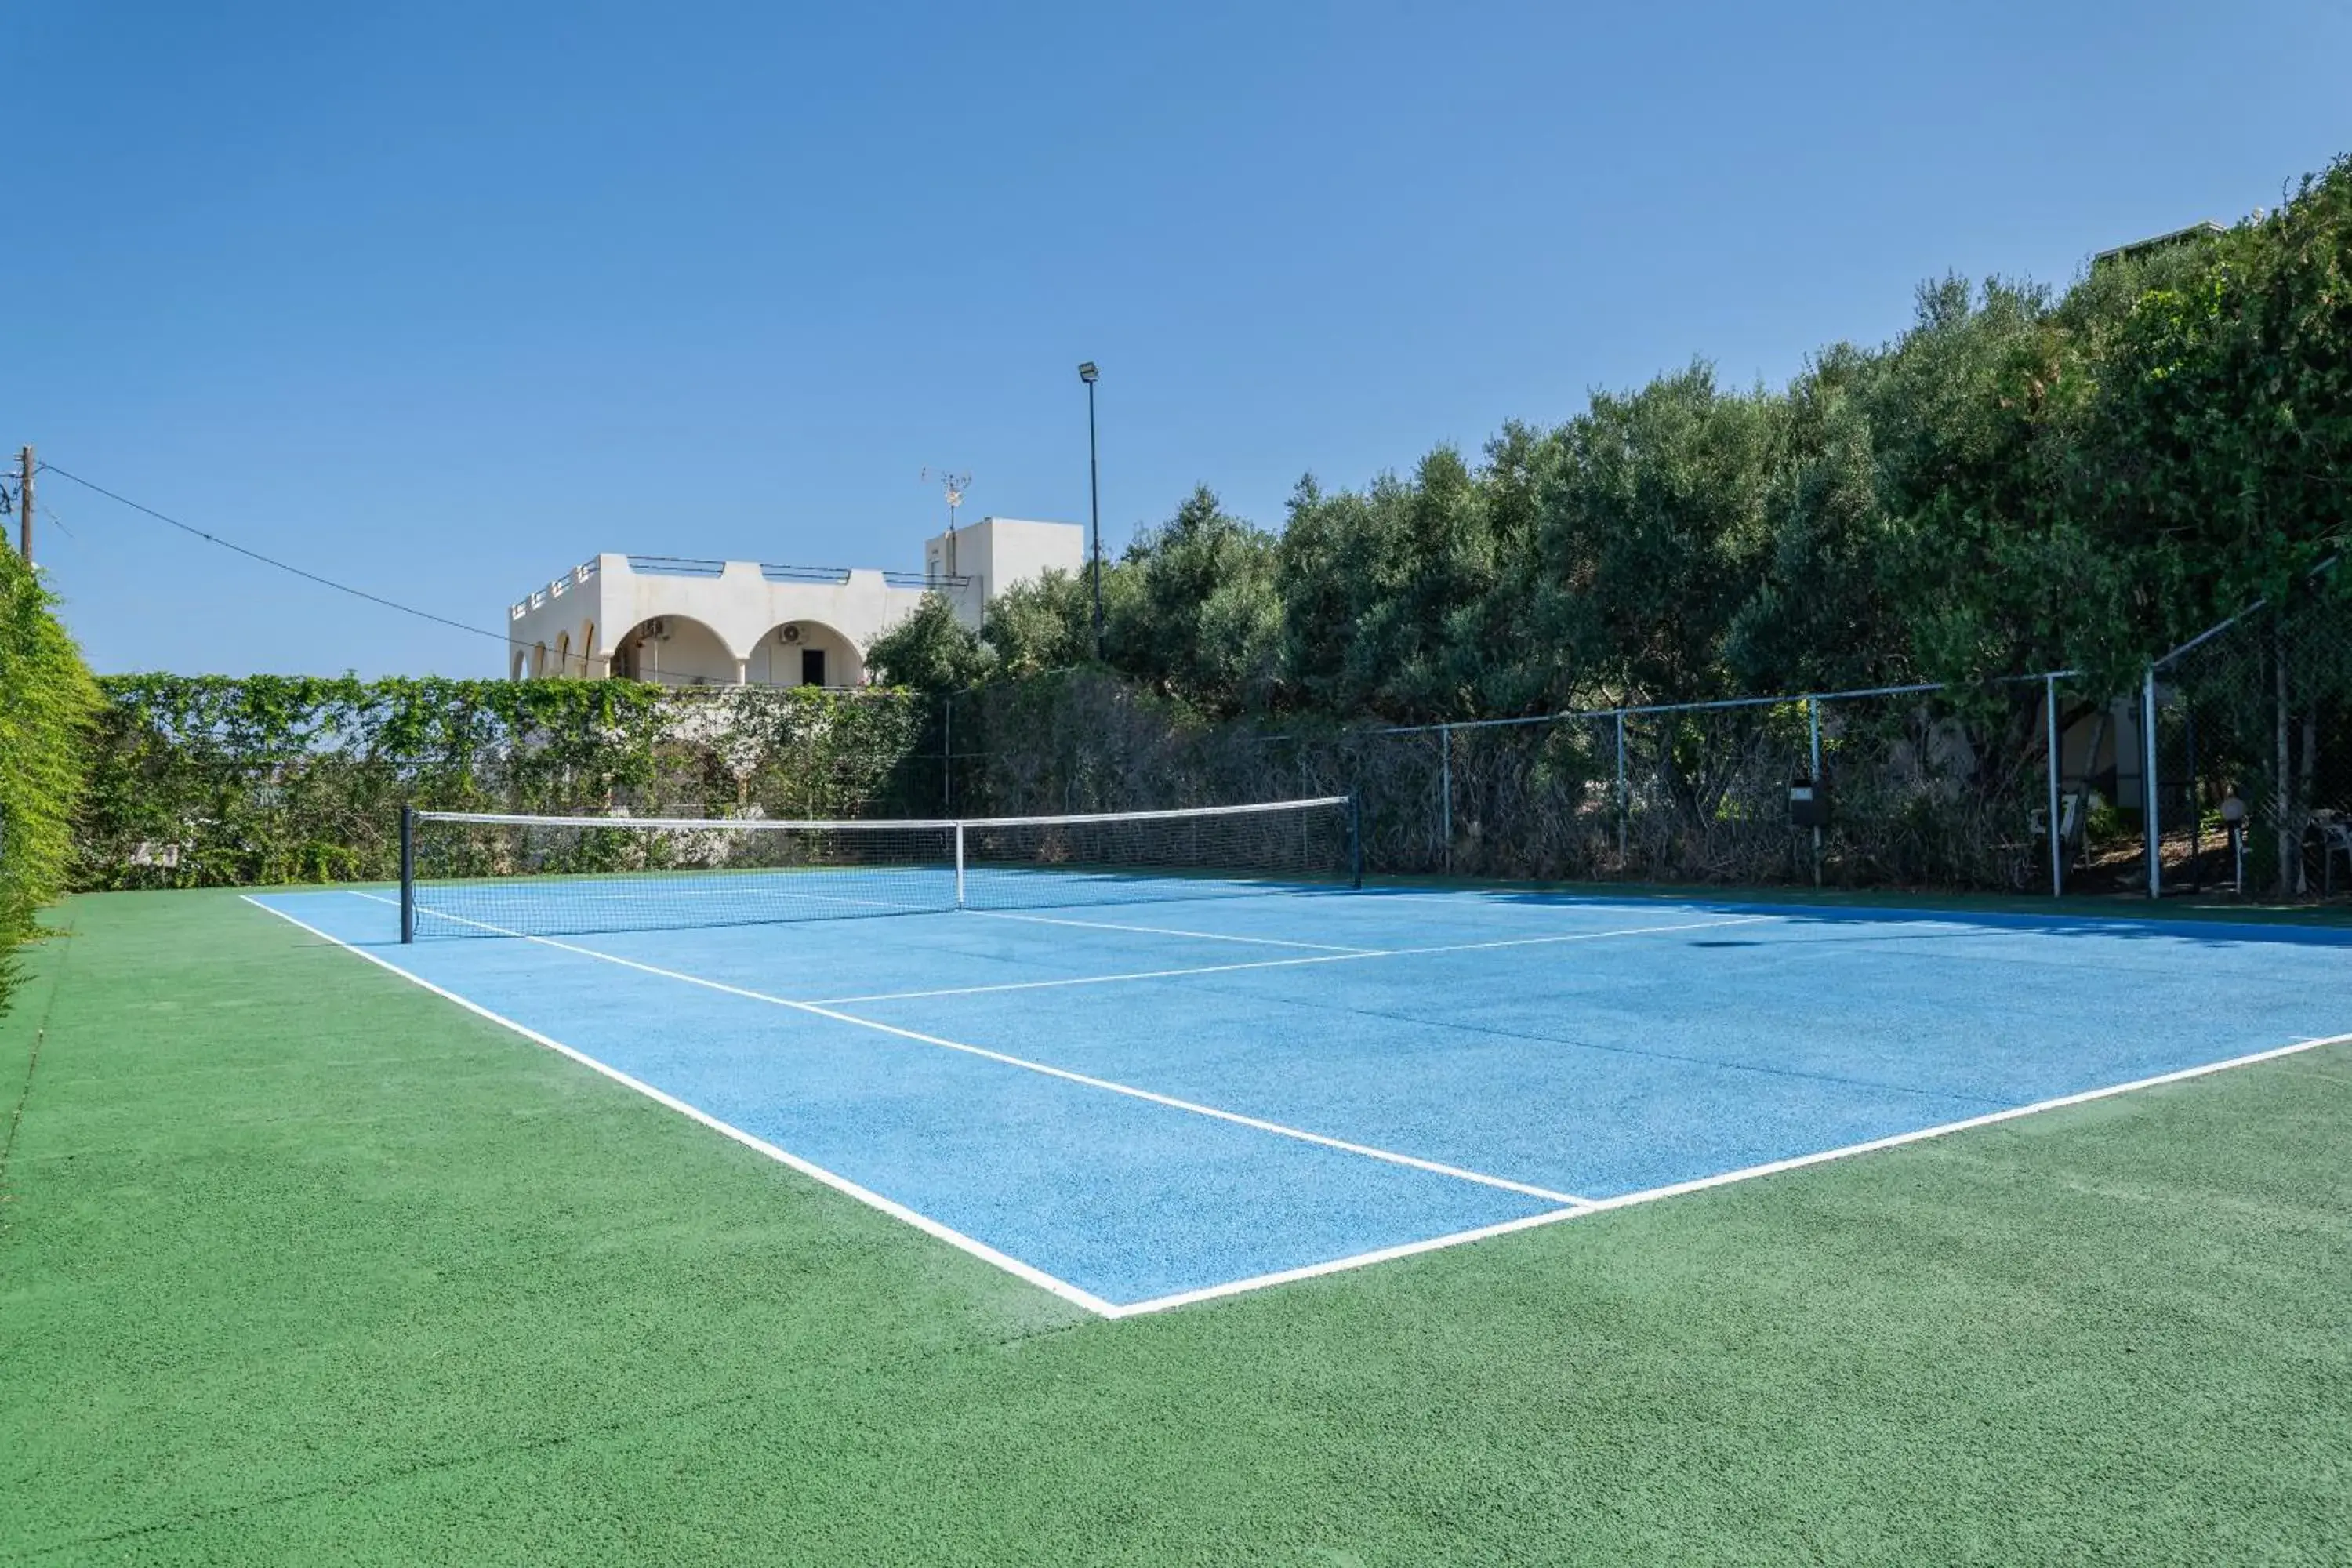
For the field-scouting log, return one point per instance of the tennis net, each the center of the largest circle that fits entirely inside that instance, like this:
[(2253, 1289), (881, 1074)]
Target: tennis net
[(489, 874)]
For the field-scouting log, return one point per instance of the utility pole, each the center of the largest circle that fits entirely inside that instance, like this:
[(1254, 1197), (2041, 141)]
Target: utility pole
[(24, 505)]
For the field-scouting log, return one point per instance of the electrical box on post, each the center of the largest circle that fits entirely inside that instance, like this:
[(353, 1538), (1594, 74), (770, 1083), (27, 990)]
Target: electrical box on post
[(1808, 804)]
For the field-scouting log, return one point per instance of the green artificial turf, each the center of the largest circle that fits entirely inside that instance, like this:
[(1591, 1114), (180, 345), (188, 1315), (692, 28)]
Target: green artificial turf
[(301, 1264)]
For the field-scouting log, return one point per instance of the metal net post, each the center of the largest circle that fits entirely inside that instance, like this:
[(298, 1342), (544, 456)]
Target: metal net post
[(407, 874)]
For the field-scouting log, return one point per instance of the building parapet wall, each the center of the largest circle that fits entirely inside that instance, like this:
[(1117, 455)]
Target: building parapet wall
[(684, 620)]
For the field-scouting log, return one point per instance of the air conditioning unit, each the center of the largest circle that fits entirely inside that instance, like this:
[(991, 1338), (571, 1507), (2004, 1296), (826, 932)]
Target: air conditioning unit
[(788, 634), (656, 630)]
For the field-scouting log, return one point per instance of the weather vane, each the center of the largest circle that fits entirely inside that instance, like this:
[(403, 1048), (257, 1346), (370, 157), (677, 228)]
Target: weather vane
[(955, 484)]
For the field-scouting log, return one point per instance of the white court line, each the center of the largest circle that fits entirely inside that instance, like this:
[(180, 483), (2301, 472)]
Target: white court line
[(1341, 1264), (898, 1211), (1168, 930), (1349, 956), (1095, 979), (1748, 1173), (1258, 1123)]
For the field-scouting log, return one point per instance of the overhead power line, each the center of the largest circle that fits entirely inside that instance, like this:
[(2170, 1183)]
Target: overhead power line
[(281, 565)]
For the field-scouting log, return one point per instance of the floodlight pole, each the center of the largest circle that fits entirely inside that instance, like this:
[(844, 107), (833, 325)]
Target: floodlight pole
[(1088, 373)]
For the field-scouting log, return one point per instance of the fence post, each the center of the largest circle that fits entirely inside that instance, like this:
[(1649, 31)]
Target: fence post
[(2290, 854), (2147, 786), (1355, 839), (947, 752), (2057, 843), (1446, 797), (1813, 723), (1624, 806)]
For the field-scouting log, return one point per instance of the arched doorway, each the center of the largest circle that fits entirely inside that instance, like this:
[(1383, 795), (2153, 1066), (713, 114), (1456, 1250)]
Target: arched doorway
[(805, 653), (675, 650)]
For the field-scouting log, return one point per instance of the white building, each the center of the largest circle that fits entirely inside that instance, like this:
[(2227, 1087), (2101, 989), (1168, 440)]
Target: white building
[(720, 623)]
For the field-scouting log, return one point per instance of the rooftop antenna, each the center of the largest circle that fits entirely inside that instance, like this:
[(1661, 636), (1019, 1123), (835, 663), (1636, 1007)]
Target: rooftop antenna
[(955, 484)]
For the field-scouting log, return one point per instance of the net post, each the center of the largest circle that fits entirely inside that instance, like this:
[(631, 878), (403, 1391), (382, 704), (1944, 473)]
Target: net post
[(958, 855), (1355, 839), (407, 874)]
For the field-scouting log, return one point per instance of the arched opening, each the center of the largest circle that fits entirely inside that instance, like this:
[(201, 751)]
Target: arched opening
[(539, 660), (674, 650), (805, 653), (588, 661), (562, 653), (516, 655)]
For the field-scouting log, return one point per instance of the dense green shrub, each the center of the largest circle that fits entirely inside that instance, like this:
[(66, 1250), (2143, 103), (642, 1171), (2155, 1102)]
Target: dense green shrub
[(47, 699)]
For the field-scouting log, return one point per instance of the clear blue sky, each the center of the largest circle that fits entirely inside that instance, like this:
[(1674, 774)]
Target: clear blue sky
[(442, 298)]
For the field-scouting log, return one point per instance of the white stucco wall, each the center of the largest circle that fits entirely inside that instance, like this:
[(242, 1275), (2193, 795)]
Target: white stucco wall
[(998, 552), (723, 623)]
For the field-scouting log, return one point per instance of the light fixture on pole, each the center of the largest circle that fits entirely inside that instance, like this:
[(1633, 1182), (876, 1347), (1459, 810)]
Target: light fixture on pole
[(1088, 373)]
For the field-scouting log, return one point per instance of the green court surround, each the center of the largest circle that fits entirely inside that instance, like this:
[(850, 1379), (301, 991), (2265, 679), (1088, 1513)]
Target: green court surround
[(299, 1263)]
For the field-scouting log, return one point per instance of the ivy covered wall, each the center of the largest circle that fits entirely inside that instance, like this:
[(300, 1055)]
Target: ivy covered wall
[(200, 781)]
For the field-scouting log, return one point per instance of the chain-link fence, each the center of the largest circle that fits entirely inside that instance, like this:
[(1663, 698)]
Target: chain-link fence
[(2033, 784), (2229, 767), (2252, 754)]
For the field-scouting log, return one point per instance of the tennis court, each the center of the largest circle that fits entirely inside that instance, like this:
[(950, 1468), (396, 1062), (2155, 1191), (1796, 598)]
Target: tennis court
[(1146, 1089)]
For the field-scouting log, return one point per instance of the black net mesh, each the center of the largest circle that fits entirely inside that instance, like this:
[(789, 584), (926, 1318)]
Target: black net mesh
[(490, 875)]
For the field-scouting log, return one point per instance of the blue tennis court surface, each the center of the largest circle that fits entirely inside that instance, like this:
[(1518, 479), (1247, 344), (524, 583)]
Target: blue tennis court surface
[(1141, 1104)]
